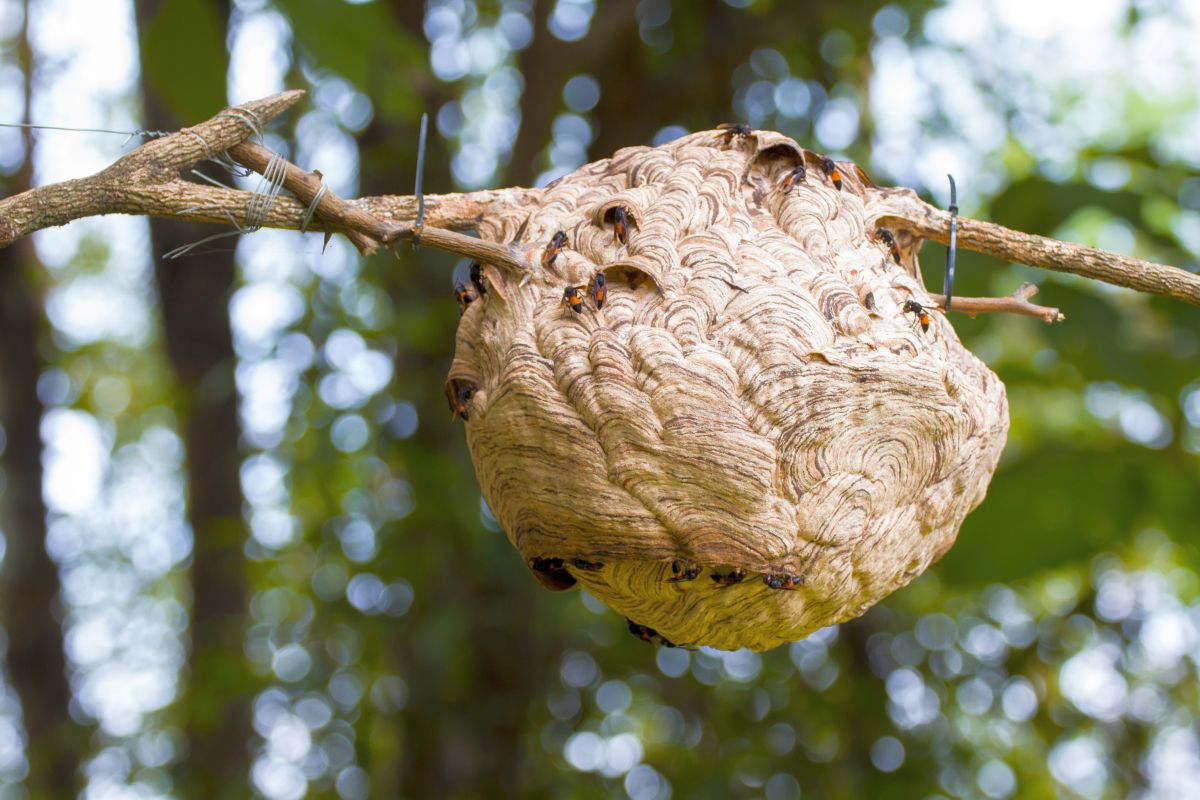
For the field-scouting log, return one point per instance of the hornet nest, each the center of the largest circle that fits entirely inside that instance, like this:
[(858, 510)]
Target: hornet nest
[(760, 431)]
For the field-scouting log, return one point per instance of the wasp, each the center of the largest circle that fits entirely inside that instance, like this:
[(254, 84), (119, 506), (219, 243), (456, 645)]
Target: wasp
[(552, 573), (463, 295), (681, 572), (621, 224), (641, 631), (572, 299), (921, 312), (557, 243), (599, 290), (792, 178), (779, 580), (732, 129), (589, 566), (864, 177), (460, 403), (477, 278), (888, 238), (831, 169), (648, 634), (729, 578)]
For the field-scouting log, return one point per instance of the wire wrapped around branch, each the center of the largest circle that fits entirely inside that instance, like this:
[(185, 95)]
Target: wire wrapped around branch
[(147, 181)]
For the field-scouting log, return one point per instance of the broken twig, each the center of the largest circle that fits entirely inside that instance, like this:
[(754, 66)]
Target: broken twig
[(1015, 303)]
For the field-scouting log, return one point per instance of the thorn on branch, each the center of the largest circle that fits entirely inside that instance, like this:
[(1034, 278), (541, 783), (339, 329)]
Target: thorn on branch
[(361, 228), (1015, 303)]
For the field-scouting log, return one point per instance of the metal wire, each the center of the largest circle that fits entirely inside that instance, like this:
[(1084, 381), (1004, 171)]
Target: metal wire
[(247, 116), (420, 174), (948, 276), (312, 207), (127, 134), (264, 197)]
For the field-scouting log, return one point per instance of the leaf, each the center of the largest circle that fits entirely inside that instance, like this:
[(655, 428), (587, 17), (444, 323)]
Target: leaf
[(364, 44), (1041, 206), (1051, 509)]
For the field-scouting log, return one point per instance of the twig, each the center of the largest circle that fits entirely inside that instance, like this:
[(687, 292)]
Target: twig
[(1015, 303), (363, 229), (156, 162), (518, 258), (148, 181), (191, 201), (902, 208)]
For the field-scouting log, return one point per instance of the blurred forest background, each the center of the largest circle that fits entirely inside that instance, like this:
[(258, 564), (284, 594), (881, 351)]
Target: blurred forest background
[(243, 547)]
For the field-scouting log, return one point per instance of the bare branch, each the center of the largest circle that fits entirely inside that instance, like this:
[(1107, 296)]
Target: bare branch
[(1015, 303), (902, 208), (516, 257), (201, 203), (148, 181), (363, 229), (158, 161)]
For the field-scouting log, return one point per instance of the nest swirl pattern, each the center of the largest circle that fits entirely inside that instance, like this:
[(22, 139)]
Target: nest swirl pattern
[(767, 427)]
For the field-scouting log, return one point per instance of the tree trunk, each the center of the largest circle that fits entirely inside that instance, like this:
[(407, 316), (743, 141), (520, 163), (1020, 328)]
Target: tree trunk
[(470, 692), (194, 295), (29, 603), (29, 579), (29, 585)]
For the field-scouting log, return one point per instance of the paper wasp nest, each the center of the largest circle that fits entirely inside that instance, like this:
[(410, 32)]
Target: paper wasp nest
[(753, 405)]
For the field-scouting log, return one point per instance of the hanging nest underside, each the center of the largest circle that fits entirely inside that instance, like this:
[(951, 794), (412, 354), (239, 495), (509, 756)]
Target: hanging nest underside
[(764, 429)]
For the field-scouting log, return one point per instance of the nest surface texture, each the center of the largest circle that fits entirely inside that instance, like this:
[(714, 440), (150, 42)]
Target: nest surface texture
[(755, 437)]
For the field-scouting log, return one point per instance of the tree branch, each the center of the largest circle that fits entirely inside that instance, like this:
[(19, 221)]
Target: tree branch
[(367, 227), (157, 162), (363, 229), (147, 182), (1015, 303), (902, 208)]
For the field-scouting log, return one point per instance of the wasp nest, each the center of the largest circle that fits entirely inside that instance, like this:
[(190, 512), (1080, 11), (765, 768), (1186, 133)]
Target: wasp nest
[(716, 399)]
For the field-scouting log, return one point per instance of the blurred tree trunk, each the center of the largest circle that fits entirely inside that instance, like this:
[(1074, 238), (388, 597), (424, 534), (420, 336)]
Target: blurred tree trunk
[(637, 100), (640, 91), (479, 662), (548, 63), (29, 585), (194, 293)]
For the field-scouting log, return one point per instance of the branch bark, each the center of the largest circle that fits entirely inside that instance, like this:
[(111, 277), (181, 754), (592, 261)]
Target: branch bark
[(147, 182), (363, 229), (903, 209), (157, 163), (1015, 303)]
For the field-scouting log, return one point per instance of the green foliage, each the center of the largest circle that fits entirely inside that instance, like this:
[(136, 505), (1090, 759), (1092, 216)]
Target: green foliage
[(184, 58), (1057, 507), (393, 619), (364, 44)]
